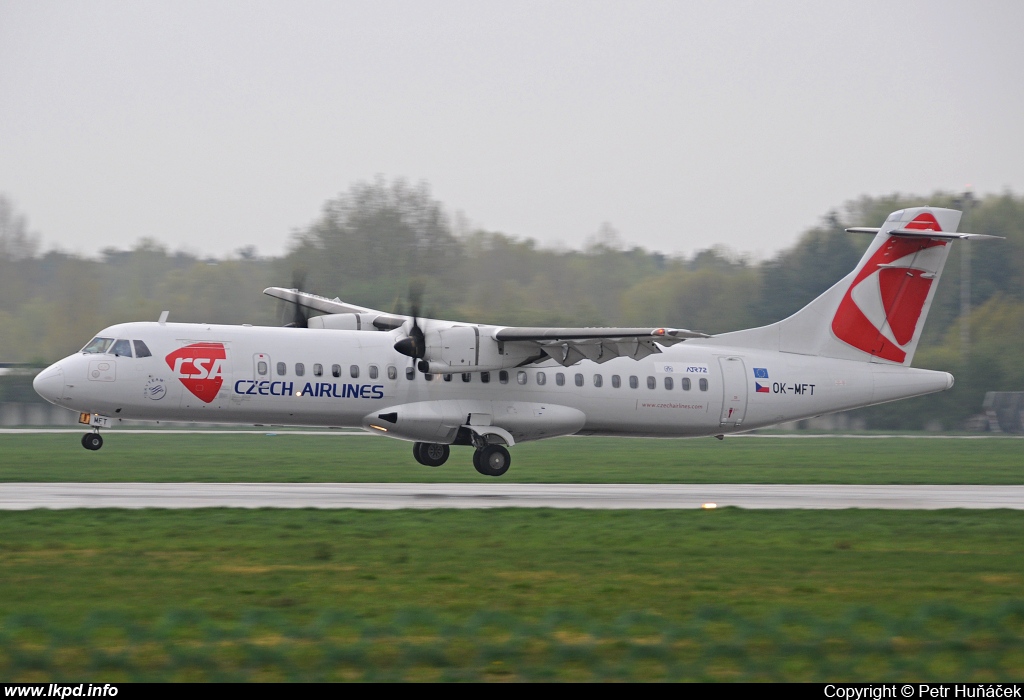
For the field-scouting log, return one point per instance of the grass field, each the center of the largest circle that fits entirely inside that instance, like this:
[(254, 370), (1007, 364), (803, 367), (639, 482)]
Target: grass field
[(100, 595), (313, 458), (64, 565)]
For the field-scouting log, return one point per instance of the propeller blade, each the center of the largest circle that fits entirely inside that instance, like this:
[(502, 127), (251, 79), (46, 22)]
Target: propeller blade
[(414, 345), (300, 317)]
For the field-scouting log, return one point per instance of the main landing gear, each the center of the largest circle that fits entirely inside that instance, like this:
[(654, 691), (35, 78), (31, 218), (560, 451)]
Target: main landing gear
[(489, 460), (492, 460), (92, 441), (430, 454)]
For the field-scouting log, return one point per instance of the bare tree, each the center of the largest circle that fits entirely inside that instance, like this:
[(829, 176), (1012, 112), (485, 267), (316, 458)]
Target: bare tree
[(16, 243)]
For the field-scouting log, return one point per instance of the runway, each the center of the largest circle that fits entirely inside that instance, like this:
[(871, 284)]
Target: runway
[(355, 432), (26, 496)]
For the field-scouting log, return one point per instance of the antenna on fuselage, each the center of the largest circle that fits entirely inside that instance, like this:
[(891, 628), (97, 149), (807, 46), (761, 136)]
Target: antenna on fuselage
[(163, 317)]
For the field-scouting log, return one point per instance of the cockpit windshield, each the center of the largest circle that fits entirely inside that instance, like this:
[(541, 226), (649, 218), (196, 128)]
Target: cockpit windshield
[(98, 346), (122, 348)]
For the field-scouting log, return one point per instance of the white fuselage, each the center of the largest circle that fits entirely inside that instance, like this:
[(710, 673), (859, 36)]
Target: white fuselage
[(309, 377)]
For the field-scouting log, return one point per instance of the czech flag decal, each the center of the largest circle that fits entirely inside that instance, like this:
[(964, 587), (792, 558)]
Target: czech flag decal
[(761, 373)]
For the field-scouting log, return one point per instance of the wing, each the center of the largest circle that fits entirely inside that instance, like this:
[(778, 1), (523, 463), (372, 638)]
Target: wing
[(521, 346), (566, 346), (381, 321)]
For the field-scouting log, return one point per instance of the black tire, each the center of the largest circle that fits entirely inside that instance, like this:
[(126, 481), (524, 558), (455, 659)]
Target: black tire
[(492, 460), (92, 441), (430, 454)]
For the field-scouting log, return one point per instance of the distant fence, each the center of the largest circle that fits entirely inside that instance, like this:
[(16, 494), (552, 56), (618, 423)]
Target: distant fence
[(18, 413), (1005, 411), (938, 643)]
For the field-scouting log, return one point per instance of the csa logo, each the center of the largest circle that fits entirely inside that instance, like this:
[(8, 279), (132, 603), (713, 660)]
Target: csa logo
[(880, 310), (200, 367)]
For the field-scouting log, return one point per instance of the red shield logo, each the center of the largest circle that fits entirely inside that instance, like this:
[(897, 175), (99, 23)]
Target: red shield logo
[(200, 367)]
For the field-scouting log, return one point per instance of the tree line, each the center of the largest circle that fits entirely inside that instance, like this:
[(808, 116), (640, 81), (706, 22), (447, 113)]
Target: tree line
[(372, 242)]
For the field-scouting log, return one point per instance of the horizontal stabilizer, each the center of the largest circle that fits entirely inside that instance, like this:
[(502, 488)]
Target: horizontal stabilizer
[(927, 233)]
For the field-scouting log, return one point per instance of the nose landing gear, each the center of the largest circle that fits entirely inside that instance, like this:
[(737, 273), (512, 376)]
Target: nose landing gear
[(92, 441)]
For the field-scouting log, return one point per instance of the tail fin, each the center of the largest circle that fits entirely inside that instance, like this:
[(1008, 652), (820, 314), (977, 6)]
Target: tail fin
[(877, 312)]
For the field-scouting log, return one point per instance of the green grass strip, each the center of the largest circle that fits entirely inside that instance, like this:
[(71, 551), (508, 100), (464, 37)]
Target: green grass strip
[(934, 643), (328, 458), (66, 564)]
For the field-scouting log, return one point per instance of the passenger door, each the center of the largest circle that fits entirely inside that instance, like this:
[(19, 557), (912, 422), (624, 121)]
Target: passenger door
[(734, 391)]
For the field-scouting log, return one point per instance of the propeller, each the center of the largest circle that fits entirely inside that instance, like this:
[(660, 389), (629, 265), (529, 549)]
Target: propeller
[(414, 345), (300, 318)]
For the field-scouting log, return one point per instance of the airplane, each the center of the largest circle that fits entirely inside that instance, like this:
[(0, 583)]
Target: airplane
[(440, 383)]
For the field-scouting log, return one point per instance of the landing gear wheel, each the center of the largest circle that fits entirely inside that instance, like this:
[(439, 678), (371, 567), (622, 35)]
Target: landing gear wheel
[(430, 454), (492, 460), (92, 441)]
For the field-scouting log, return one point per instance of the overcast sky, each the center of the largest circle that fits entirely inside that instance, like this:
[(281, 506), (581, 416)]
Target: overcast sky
[(215, 125)]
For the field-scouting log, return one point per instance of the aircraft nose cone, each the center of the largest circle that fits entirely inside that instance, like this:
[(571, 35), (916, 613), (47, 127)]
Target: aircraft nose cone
[(50, 383)]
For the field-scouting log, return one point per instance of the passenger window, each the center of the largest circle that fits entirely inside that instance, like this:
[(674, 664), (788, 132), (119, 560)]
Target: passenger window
[(261, 368), (410, 373), (141, 350), (616, 381), (669, 383), (598, 380), (466, 376), (503, 377), (685, 383), (122, 348), (354, 371), (300, 369), (392, 372), (578, 379), (652, 382), (335, 370), (633, 382), (281, 369), (703, 384), (98, 346), (447, 377), (485, 377), (373, 371), (542, 378), (560, 379), (318, 370), (521, 377)]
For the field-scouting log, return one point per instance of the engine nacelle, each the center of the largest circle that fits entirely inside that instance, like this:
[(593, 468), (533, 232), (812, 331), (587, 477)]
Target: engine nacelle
[(344, 322), (470, 349)]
